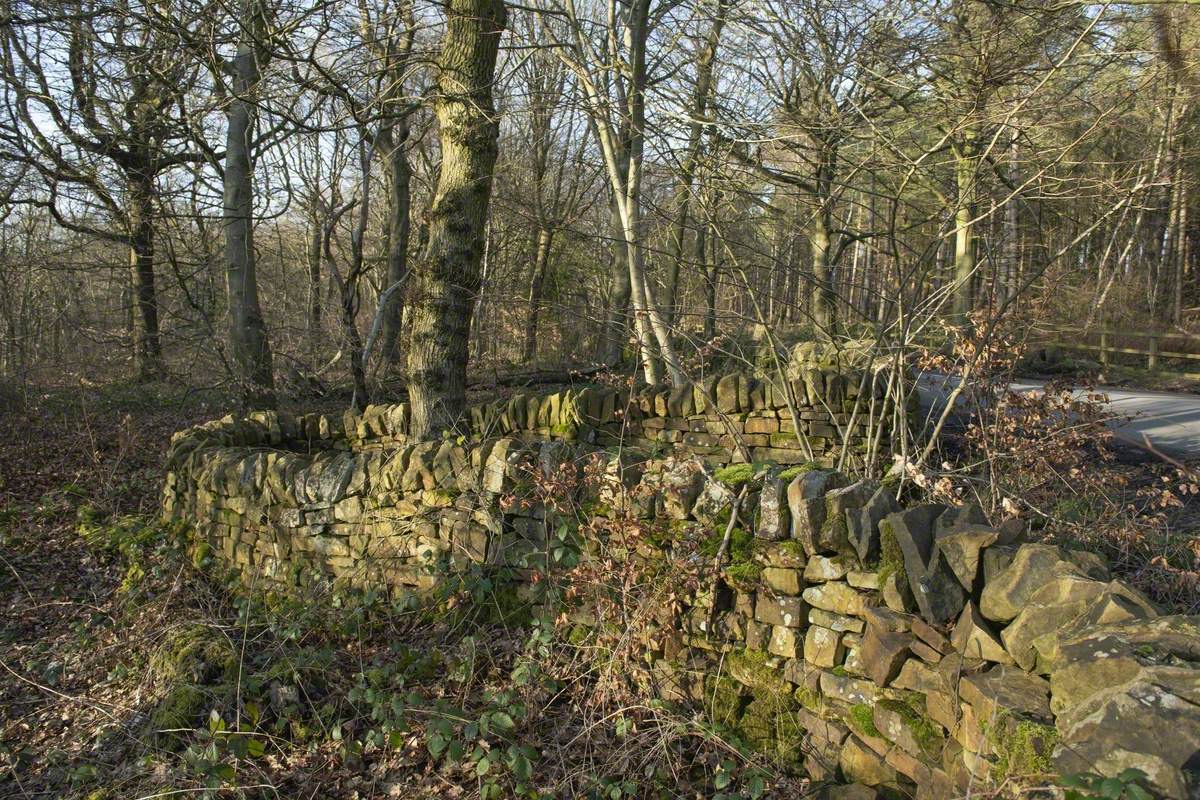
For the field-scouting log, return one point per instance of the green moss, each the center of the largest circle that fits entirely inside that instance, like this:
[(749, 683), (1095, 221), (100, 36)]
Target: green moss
[(741, 545), (744, 575), (862, 716), (193, 654), (200, 554), (809, 698), (565, 430), (792, 548), (180, 708), (1022, 747), (924, 731), (723, 700), (735, 474), (791, 473), (772, 728), (840, 671), (891, 557), (753, 669)]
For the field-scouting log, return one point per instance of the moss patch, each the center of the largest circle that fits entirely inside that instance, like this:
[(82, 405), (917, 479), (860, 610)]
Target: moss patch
[(891, 557), (735, 474), (927, 736), (193, 654), (862, 717), (752, 668), (771, 727), (179, 709), (1022, 747), (744, 575), (791, 473), (723, 700), (809, 698)]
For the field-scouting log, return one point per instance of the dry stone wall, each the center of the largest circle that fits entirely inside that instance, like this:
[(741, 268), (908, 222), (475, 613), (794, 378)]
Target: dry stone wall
[(907, 651)]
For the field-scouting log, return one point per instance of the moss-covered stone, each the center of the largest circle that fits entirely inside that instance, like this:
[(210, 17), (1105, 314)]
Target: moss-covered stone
[(791, 473), (179, 710), (743, 575), (862, 718), (1022, 747), (754, 670), (772, 727), (910, 714), (193, 654), (736, 474), (724, 700), (891, 557)]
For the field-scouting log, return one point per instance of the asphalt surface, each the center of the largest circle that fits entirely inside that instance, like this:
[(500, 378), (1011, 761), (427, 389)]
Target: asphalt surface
[(1169, 420)]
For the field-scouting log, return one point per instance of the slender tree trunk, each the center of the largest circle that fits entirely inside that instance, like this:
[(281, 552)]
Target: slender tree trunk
[(617, 325), (541, 259), (399, 233), (712, 275), (449, 272), (316, 248), (248, 341), (147, 350), (824, 310), (964, 235), (683, 193), (647, 317), (1012, 233)]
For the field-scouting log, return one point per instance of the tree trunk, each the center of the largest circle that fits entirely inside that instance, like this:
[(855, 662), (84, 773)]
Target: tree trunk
[(317, 247), (449, 272), (541, 259), (654, 336), (248, 341), (712, 274), (147, 350), (399, 230), (964, 236), (1012, 244), (683, 193), (615, 329), (824, 311)]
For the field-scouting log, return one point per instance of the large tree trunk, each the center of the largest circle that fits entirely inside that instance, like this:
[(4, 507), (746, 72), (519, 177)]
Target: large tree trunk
[(449, 272), (541, 259), (399, 230), (248, 342), (147, 351)]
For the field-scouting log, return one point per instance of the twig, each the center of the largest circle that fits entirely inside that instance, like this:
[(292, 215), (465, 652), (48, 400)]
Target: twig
[(723, 552)]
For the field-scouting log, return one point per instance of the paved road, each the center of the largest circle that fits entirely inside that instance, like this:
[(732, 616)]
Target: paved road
[(1170, 420)]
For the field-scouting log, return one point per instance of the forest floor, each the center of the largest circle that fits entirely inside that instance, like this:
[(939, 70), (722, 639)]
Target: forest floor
[(106, 623), (108, 627)]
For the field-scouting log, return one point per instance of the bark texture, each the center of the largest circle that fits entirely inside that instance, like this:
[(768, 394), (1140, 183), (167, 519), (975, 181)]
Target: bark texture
[(449, 272), (248, 341)]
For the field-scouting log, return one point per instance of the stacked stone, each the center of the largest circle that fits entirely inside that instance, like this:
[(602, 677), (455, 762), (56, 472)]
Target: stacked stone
[(924, 651), (710, 419), (915, 650), (395, 518)]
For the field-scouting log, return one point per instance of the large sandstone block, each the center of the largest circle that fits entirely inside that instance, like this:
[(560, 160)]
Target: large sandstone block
[(937, 591)]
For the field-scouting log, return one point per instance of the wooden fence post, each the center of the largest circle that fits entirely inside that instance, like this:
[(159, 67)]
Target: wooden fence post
[(1104, 349), (1152, 356)]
